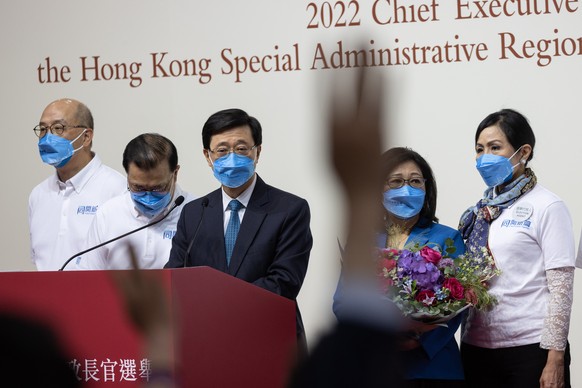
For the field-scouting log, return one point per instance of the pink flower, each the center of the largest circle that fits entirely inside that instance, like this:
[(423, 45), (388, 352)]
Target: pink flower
[(426, 297), (430, 255), (457, 291), (389, 264)]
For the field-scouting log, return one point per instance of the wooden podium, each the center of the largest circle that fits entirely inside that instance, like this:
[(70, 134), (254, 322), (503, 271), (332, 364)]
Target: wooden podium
[(228, 333)]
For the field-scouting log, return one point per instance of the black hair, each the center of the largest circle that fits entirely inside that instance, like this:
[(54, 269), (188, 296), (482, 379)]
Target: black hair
[(228, 119), (515, 127), (148, 150), (393, 158), (32, 355)]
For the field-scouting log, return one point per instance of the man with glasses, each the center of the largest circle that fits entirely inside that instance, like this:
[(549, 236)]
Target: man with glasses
[(62, 207), (250, 230), (151, 163)]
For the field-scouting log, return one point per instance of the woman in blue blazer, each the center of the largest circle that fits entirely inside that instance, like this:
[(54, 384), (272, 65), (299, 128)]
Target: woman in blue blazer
[(431, 359)]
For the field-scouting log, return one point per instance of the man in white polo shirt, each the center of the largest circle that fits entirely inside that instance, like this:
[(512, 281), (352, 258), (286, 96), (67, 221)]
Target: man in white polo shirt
[(151, 163), (62, 207)]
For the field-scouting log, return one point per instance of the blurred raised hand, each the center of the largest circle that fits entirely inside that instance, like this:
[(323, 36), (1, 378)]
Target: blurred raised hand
[(355, 133), (361, 350), (146, 303), (144, 297)]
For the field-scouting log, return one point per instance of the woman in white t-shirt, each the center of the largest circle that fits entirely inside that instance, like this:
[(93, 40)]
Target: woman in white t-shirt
[(523, 340)]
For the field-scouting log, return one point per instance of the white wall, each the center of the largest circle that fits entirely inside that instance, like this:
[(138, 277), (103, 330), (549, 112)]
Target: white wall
[(435, 107)]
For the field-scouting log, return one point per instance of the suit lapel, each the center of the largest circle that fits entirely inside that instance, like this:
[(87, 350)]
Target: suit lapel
[(253, 219), (214, 221)]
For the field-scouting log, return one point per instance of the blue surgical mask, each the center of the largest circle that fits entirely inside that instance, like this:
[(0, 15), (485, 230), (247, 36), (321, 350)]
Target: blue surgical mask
[(495, 169), (233, 170), (151, 203), (405, 202), (56, 150)]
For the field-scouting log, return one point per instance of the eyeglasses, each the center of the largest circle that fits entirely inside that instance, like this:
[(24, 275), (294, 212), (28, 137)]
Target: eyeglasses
[(241, 149), (396, 183), (163, 188), (56, 129)]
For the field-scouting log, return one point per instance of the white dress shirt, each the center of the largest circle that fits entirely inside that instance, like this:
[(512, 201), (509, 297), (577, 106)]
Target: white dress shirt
[(60, 213), (118, 216), (243, 198)]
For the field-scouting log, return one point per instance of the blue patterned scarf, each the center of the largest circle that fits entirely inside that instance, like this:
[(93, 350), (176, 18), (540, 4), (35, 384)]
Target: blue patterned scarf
[(475, 222)]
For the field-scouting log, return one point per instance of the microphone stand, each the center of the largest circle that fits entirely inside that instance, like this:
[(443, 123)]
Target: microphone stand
[(177, 203)]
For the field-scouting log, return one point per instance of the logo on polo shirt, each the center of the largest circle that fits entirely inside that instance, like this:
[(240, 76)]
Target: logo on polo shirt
[(88, 209), (168, 234), (521, 216), (516, 224)]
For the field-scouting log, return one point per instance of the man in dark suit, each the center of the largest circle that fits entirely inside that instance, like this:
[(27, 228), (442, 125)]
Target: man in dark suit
[(246, 228)]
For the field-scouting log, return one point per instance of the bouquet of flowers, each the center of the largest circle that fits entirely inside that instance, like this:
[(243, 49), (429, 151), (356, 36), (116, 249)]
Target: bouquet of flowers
[(429, 286)]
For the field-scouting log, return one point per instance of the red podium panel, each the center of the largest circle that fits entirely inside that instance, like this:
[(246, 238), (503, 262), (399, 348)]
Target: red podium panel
[(227, 332)]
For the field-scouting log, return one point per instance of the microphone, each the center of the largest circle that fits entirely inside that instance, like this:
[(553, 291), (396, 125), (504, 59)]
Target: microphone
[(204, 204), (177, 203)]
